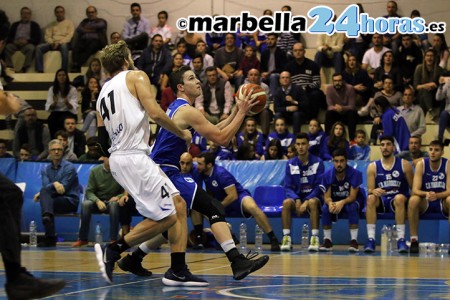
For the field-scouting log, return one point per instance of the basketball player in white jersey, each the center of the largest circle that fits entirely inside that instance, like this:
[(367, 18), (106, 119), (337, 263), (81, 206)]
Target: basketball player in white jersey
[(124, 104)]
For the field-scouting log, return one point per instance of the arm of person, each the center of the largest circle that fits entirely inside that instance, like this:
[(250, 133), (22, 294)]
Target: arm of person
[(446, 193), (92, 188), (232, 195), (139, 85), (407, 168), (417, 180), (9, 103), (69, 174), (371, 185)]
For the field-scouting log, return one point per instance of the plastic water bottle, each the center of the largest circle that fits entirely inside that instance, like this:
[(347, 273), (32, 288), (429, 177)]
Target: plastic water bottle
[(389, 238), (384, 239), (33, 234), (394, 238), (243, 236), (98, 234), (258, 238), (305, 236)]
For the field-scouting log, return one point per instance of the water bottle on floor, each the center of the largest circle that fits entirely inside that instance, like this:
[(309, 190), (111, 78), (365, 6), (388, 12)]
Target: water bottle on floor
[(33, 234), (258, 238), (394, 238), (384, 239), (98, 234), (305, 236), (243, 236)]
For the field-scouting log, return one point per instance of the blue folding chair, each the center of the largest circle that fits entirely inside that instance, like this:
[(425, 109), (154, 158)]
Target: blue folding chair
[(270, 199)]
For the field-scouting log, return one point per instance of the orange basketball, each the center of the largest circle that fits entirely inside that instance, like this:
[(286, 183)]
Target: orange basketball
[(258, 93)]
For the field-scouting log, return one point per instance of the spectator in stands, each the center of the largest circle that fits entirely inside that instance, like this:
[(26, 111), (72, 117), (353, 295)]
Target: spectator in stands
[(389, 68), (200, 48), (341, 188), (306, 74), (394, 97), (414, 152), (251, 135), (273, 60), (115, 37), (62, 101), (23, 36), (93, 153), (282, 134), (155, 61), (357, 46), (372, 57), (316, 137), (360, 150), (337, 139), (392, 124), (421, 40), (412, 114), (220, 152), (229, 57), (191, 40), (89, 97), (274, 150), (198, 67), (391, 40), (301, 183), (359, 79), (291, 151), (388, 182), (443, 93), (181, 48), (441, 52), (90, 36), (216, 100), (409, 55), (329, 51), (59, 192), (214, 41), (3, 149), (136, 30), (290, 102), (250, 61), (341, 105), (430, 189), (34, 133), (68, 154), (287, 40), (177, 62), (102, 196), (163, 28), (426, 81), (237, 201), (25, 153), (246, 151), (94, 70), (76, 139), (58, 36)]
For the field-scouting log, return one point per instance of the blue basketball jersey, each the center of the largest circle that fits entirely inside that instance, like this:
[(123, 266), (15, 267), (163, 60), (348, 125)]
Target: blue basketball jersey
[(393, 181), (169, 147), (341, 189), (302, 181), (219, 180), (434, 181)]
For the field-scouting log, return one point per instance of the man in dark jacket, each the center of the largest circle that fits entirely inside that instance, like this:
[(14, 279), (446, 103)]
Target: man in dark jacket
[(273, 60)]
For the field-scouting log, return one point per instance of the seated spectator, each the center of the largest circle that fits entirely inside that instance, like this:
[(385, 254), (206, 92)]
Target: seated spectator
[(191, 39), (93, 153), (25, 153), (62, 101), (3, 149), (198, 68), (360, 150), (23, 36), (282, 134), (394, 97), (177, 63), (181, 48), (441, 52), (208, 60), (414, 153), (421, 40), (94, 70), (316, 137), (220, 152), (336, 140), (60, 192), (89, 97), (359, 79), (163, 28), (273, 60), (408, 57), (291, 151), (76, 138), (214, 41), (115, 37), (443, 93), (34, 133), (246, 151), (251, 135), (58, 35), (329, 51), (389, 68), (136, 29), (372, 57), (90, 36), (412, 114), (391, 40), (250, 61), (341, 105), (102, 196), (67, 154), (228, 58), (290, 103), (273, 151), (287, 40)]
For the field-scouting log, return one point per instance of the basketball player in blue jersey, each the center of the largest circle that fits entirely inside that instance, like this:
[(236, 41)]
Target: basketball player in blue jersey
[(168, 149), (238, 202), (124, 105), (388, 183), (431, 190), (342, 196), (301, 183)]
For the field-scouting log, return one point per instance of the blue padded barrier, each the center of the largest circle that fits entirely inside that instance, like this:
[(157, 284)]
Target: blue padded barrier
[(8, 167)]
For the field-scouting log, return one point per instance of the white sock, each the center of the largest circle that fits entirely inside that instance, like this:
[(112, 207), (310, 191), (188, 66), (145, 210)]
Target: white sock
[(228, 245), (286, 232), (315, 232), (371, 231), (354, 233), (144, 248), (327, 234), (401, 231)]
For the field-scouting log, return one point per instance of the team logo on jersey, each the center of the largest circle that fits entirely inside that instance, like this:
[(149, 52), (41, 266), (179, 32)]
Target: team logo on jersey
[(214, 183), (346, 185), (395, 173), (189, 179), (441, 176), (294, 169)]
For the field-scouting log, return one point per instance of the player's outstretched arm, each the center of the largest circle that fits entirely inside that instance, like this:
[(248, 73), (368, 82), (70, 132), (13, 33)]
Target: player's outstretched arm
[(8, 103)]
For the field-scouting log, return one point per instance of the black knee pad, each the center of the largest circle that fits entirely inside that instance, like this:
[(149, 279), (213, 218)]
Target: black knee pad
[(209, 207)]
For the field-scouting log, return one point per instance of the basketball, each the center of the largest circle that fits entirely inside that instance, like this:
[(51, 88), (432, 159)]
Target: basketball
[(258, 93)]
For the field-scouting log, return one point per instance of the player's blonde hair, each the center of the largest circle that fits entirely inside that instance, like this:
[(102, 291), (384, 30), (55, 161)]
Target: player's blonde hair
[(113, 56)]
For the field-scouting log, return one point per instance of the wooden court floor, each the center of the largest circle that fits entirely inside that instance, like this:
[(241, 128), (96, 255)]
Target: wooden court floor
[(294, 275)]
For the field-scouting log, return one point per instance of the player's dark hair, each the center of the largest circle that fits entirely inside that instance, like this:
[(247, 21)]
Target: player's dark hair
[(209, 158), (177, 76)]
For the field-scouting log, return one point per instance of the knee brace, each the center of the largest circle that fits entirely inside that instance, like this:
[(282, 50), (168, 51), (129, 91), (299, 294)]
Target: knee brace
[(208, 206)]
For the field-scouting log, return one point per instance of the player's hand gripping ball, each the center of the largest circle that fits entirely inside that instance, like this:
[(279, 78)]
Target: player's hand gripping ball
[(258, 93)]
